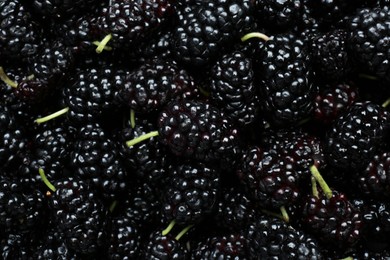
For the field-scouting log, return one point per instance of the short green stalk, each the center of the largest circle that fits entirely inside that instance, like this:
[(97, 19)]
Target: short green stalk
[(103, 43), (6, 79), (258, 35), (52, 116), (169, 228), (45, 180), (324, 186), (314, 187), (141, 138), (113, 206), (183, 232), (106, 48), (132, 118), (204, 92), (367, 76), (386, 103), (285, 215)]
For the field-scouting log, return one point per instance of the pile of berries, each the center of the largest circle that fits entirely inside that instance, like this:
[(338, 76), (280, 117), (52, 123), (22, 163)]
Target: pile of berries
[(194, 129)]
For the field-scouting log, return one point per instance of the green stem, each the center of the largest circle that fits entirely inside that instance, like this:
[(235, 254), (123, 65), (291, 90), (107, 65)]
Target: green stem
[(386, 103), (6, 79), (251, 35), (113, 206), (303, 121), (45, 180), (141, 138), (273, 214), (366, 76), (103, 43), (285, 215), (106, 48), (169, 228), (204, 92), (183, 232), (52, 116), (31, 77), (325, 188), (132, 118), (314, 187)]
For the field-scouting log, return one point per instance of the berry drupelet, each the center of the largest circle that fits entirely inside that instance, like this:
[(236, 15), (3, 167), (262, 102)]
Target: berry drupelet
[(18, 246), (279, 15), (268, 178), (335, 219), (330, 216), (272, 238), (330, 13), (7, 88), (148, 160), (232, 88), (155, 48), (124, 238), (95, 158), (159, 246), (303, 148), (235, 209), (206, 28), (374, 180), (369, 31), (143, 205), (130, 23), (21, 209), (376, 224), (79, 215), (329, 56), (286, 91), (53, 246), (91, 95), (20, 36), (195, 129), (356, 136), (153, 85), (78, 31), (52, 145), (48, 70), (14, 141), (275, 175), (60, 9), (191, 194), (231, 246), (333, 100)]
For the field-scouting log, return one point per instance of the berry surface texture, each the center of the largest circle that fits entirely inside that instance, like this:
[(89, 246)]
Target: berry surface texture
[(194, 129)]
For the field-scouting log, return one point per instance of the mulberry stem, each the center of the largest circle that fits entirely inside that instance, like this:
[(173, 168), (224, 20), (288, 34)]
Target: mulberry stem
[(285, 215), (141, 138), (6, 79), (169, 228), (204, 92), (314, 187), (113, 206), (183, 232), (386, 103), (132, 118), (52, 116), (367, 76), (254, 35), (45, 180), (103, 43), (106, 48), (325, 188)]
